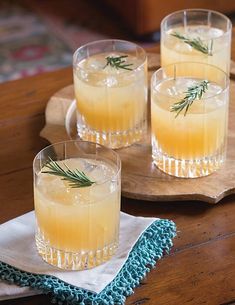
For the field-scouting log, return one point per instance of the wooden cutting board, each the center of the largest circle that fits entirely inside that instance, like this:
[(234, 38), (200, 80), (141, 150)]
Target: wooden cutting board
[(140, 178)]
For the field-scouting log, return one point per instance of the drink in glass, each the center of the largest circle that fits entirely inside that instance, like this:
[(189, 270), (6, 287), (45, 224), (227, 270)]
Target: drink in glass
[(110, 82), (196, 35), (189, 117), (77, 226)]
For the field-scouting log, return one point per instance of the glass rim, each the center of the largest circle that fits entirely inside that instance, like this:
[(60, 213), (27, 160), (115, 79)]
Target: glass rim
[(110, 40), (199, 10), (117, 162), (227, 80)]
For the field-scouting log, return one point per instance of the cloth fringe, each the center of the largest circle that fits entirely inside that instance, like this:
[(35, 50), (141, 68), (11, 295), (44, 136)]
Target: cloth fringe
[(155, 241)]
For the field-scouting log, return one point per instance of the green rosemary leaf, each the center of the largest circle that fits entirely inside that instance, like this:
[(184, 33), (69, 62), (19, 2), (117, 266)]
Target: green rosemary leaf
[(76, 178), (195, 43), (192, 93), (118, 62)]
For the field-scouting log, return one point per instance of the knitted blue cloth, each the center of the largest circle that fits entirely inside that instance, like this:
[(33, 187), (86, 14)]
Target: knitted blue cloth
[(150, 247)]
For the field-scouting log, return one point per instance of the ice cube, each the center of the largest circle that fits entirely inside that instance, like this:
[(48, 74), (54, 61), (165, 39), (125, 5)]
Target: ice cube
[(95, 64), (87, 165), (108, 81), (172, 91), (98, 172), (102, 172), (182, 47), (83, 75), (204, 32), (78, 195)]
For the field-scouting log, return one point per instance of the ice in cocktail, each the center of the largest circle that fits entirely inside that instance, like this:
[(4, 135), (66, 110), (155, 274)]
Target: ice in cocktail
[(196, 36), (77, 227), (189, 120), (110, 83)]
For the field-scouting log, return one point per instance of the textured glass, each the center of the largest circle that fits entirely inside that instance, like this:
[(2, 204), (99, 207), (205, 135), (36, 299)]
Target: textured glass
[(111, 102), (77, 228), (192, 144), (212, 28)]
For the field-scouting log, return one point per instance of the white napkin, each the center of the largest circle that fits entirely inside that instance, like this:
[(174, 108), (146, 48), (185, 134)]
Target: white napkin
[(17, 248)]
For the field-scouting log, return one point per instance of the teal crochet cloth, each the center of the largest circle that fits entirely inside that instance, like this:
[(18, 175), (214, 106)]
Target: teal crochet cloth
[(150, 247)]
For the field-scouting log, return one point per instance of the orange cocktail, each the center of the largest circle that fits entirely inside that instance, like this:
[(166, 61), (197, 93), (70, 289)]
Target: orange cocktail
[(189, 142), (110, 83), (196, 35), (77, 227)]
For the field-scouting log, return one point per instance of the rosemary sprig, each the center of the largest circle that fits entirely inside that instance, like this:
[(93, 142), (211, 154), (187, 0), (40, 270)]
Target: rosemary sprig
[(118, 62), (75, 178), (192, 93), (195, 43)]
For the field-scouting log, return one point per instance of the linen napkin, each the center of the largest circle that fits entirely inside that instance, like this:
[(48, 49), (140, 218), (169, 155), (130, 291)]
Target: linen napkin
[(142, 242)]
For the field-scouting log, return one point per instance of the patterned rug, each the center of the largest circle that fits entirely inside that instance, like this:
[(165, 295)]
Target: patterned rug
[(39, 36)]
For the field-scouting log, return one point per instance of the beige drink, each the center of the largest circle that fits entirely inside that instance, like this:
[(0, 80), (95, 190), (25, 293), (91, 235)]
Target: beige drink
[(196, 36), (190, 143), (111, 101), (77, 228)]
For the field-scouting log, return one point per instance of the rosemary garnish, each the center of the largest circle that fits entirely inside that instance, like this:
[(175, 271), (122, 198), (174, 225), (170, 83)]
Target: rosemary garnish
[(118, 62), (195, 43), (192, 93), (75, 178)]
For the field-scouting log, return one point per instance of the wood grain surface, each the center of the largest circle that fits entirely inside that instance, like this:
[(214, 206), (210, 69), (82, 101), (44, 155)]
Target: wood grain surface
[(200, 268)]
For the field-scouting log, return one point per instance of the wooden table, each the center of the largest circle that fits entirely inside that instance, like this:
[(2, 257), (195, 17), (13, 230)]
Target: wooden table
[(200, 268)]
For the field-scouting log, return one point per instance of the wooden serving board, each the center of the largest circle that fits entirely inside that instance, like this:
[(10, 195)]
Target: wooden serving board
[(140, 178)]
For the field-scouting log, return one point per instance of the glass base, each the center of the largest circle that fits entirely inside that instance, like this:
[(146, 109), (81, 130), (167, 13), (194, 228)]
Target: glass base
[(74, 261), (114, 139), (188, 168)]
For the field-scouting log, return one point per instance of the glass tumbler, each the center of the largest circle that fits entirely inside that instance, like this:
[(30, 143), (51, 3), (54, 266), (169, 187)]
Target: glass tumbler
[(110, 83), (189, 118), (77, 226), (196, 35)]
